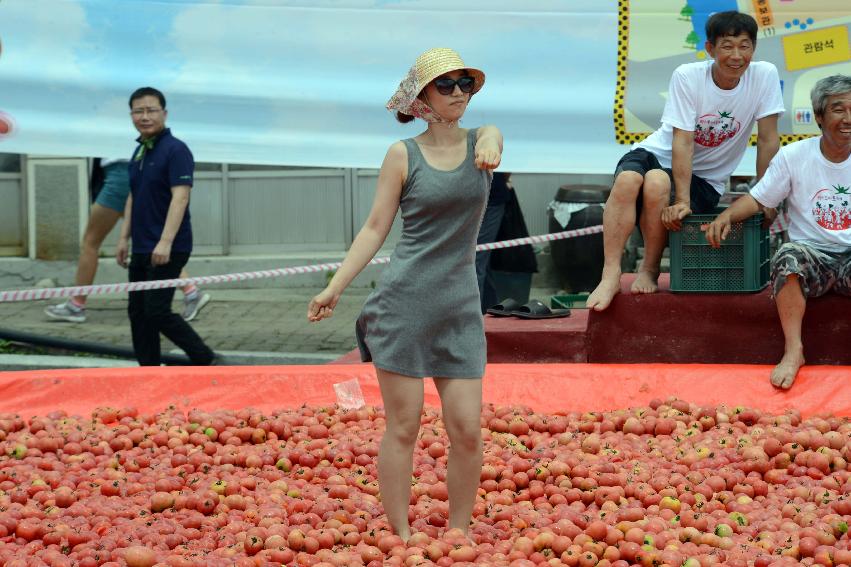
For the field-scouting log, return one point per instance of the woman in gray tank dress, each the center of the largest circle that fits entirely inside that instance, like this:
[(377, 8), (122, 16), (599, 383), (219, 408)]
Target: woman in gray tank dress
[(424, 318)]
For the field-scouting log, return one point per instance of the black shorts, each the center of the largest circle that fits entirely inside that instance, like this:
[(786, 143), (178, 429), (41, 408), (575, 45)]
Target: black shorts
[(704, 197)]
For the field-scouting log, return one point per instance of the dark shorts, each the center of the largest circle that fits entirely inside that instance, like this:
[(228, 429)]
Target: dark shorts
[(818, 271), (704, 197)]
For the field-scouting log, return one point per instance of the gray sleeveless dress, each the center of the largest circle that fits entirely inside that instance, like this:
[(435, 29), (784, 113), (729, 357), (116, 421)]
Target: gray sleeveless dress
[(424, 317)]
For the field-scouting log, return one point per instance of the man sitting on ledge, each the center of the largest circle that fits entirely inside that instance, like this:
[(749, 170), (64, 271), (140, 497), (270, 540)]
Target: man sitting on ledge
[(815, 175), (682, 167)]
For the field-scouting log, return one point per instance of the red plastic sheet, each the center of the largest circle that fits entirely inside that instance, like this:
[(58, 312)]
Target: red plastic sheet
[(543, 387)]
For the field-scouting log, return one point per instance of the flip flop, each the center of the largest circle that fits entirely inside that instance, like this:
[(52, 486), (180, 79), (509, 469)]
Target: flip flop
[(504, 309), (537, 310)]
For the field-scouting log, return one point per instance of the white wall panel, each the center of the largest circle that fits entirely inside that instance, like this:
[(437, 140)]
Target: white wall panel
[(12, 227), (205, 205), (287, 211)]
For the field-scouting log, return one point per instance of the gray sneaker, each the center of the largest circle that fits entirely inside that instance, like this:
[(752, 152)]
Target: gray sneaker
[(191, 307), (66, 312)]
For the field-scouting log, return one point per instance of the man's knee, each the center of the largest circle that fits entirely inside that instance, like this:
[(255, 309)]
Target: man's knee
[(657, 187), (808, 268), (843, 280), (626, 187), (789, 282), (156, 318), (156, 309), (793, 280), (135, 306)]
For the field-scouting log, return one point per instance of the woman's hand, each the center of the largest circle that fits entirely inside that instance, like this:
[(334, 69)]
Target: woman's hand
[(322, 306), (488, 155), (488, 149)]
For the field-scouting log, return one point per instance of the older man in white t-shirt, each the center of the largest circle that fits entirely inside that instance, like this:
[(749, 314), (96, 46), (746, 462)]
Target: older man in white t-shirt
[(683, 166), (815, 176)]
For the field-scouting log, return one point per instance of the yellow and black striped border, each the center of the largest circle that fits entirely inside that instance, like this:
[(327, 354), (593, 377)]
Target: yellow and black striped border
[(621, 134)]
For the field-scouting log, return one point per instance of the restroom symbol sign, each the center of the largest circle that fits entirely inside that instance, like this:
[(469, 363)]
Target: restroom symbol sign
[(803, 116)]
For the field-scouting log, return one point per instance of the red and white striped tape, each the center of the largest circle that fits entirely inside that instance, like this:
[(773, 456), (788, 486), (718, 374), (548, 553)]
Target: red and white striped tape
[(102, 289)]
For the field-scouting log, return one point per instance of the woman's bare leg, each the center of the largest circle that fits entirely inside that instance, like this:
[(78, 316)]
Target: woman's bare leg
[(101, 221), (461, 401), (403, 406)]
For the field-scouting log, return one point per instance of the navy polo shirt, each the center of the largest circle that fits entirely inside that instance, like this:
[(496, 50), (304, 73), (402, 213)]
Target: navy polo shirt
[(153, 172)]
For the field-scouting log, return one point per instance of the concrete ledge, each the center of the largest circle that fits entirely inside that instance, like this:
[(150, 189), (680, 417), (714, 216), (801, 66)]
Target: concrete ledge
[(713, 328), (51, 362), (230, 358), (251, 358)]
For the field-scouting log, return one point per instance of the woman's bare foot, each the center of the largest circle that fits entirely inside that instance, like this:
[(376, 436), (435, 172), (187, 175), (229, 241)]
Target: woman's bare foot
[(457, 536), (645, 282), (783, 375), (605, 291), (404, 534)]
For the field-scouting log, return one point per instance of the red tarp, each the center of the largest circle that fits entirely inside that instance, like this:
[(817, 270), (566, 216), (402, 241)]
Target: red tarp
[(543, 387)]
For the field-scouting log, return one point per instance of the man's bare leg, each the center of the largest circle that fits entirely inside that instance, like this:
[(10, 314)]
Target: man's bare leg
[(618, 222), (791, 305), (656, 193)]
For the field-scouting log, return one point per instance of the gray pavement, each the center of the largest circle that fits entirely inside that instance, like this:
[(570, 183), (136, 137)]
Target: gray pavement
[(259, 321)]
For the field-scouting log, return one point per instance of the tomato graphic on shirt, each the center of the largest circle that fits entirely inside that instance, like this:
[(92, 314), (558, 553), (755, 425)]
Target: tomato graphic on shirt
[(831, 208), (714, 129)]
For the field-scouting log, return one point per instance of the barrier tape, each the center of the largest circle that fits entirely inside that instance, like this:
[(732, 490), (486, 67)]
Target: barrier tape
[(103, 289)]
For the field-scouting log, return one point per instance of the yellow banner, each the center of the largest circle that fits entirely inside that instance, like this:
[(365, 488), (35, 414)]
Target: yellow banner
[(816, 48)]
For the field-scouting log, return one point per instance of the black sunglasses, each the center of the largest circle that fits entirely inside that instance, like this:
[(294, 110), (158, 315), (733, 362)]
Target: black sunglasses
[(447, 86)]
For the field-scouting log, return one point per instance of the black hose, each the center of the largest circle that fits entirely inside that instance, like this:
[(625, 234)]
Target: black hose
[(85, 346)]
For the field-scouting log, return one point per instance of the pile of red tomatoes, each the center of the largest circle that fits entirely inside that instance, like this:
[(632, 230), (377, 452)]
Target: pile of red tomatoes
[(670, 484)]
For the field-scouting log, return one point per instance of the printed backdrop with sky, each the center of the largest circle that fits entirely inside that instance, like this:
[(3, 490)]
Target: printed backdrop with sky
[(304, 82)]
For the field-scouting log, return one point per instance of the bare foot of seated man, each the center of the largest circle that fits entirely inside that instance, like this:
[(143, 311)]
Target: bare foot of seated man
[(645, 282), (606, 290), (783, 375), (610, 285)]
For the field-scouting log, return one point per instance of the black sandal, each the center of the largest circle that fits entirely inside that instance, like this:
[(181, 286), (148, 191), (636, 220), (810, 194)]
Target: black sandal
[(504, 309), (537, 310)]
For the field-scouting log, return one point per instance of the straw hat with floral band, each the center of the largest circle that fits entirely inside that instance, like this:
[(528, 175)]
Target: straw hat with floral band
[(430, 65)]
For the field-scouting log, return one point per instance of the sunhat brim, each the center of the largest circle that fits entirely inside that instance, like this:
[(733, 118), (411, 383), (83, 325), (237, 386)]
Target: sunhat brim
[(429, 66)]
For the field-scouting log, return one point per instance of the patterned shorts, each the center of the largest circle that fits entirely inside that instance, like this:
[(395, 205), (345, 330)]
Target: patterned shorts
[(818, 271)]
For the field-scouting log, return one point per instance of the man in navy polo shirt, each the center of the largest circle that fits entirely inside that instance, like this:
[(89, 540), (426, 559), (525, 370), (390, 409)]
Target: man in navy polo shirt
[(157, 220)]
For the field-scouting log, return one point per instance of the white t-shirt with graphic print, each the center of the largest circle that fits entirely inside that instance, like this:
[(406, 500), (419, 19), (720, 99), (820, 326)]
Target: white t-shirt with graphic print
[(819, 193), (722, 120)]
